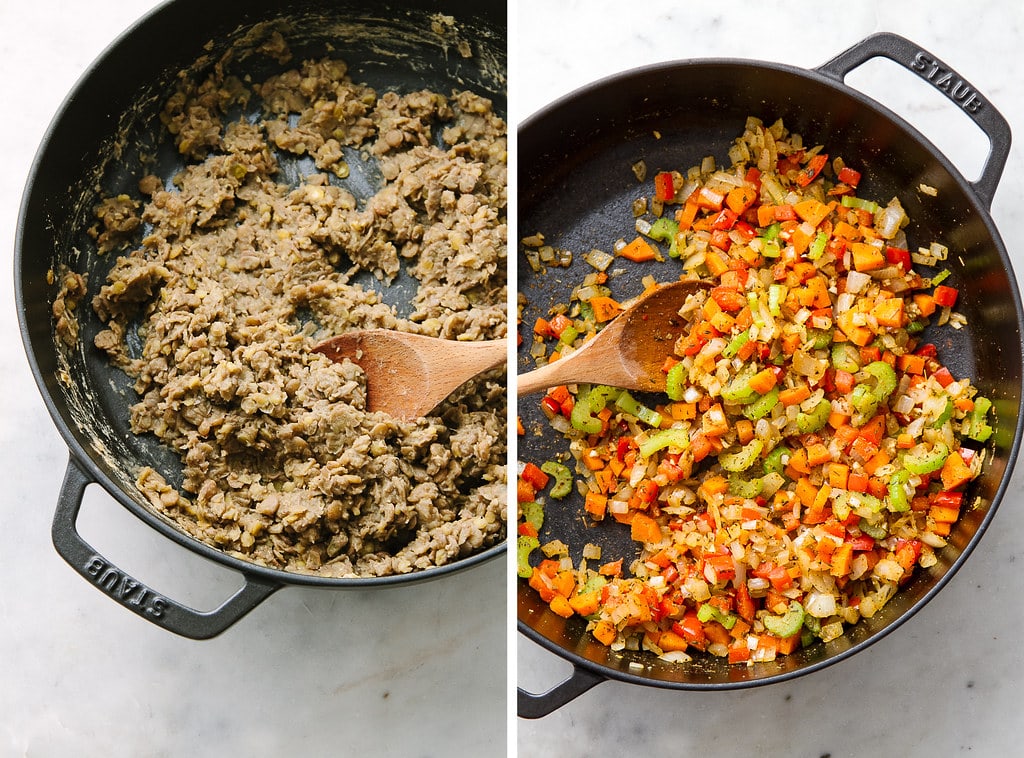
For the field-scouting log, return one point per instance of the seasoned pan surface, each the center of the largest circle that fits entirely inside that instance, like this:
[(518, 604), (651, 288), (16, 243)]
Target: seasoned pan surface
[(577, 188), (109, 127)]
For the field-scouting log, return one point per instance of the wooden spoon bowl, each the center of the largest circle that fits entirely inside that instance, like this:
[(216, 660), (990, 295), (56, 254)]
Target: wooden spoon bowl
[(407, 375), (630, 351)]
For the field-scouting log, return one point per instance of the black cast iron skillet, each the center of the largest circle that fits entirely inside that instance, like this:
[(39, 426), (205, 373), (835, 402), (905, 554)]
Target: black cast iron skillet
[(576, 187), (92, 150)]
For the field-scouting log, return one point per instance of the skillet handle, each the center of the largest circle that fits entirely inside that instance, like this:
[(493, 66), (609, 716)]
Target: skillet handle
[(948, 82), (534, 706), (131, 593)]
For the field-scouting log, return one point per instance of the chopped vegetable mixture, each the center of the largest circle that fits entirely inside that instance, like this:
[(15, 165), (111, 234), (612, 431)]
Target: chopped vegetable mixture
[(810, 450)]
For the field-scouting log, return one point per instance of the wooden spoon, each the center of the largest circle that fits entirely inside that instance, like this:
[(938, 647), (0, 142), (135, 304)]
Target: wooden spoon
[(629, 352), (407, 375)]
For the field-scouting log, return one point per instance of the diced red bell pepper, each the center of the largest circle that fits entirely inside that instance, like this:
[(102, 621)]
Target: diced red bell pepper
[(948, 499), (550, 406), (810, 172), (745, 230), (945, 297), (898, 257), (664, 189), (943, 376), (861, 542), (849, 176), (721, 239), (533, 475), (725, 220), (559, 324)]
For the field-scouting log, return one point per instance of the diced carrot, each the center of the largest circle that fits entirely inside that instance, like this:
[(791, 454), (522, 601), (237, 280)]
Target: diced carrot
[(857, 334), (717, 633), (715, 485), (857, 481), (717, 265), (791, 343), (638, 251), (542, 588), (800, 237), (596, 505), (722, 321), (911, 364), (890, 313), (645, 529), (560, 605), (812, 211), (788, 645), (605, 308), (875, 462), (842, 557), (605, 632), (818, 454), (586, 603), (681, 411), (525, 492), (798, 462), (806, 491), (944, 513), (867, 257), (740, 199), (845, 231), (955, 472), (739, 630), (744, 431), (669, 641), (564, 583), (686, 215), (612, 568), (941, 528), (785, 212), (763, 381), (593, 459), (874, 430), (925, 303), (542, 327), (794, 395), (837, 419), (837, 475)]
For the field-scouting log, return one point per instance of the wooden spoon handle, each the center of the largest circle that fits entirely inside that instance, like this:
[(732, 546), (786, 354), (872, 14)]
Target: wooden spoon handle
[(603, 360)]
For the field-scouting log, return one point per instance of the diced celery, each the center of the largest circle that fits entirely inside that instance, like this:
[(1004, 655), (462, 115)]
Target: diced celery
[(676, 381), (562, 476), (741, 459), (533, 513), (663, 438), (708, 612), (925, 461), (524, 546), (807, 423), (788, 624), (629, 404), (763, 405), (899, 498), (885, 379)]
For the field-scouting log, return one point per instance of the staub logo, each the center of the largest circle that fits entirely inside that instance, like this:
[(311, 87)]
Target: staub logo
[(956, 88), (124, 589)]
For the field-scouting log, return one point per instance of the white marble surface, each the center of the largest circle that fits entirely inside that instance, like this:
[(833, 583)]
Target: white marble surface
[(416, 671), (947, 682)]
